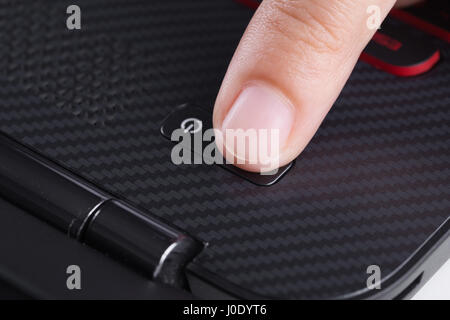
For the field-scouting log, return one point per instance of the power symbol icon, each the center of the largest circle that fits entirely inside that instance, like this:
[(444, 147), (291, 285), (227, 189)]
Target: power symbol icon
[(192, 125)]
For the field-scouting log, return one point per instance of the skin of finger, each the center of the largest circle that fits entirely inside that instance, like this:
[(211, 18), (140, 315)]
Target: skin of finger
[(305, 49)]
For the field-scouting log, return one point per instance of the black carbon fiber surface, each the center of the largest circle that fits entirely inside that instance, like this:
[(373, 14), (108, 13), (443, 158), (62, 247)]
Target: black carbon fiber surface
[(370, 189)]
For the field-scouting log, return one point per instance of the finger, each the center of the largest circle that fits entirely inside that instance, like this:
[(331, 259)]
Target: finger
[(288, 70)]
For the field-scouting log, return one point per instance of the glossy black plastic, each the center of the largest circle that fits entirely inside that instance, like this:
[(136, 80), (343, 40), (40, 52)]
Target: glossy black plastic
[(51, 192), (23, 268), (83, 211), (136, 238)]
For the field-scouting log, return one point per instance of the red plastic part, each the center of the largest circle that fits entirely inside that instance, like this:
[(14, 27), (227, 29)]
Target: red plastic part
[(402, 71), (421, 24), (396, 13), (378, 63), (249, 3)]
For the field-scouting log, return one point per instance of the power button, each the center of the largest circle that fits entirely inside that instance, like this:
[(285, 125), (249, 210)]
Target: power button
[(196, 120)]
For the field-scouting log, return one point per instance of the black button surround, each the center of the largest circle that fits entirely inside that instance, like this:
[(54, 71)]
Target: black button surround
[(194, 117)]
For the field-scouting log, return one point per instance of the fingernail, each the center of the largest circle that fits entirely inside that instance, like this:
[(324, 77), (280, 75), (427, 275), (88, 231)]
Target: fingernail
[(261, 107)]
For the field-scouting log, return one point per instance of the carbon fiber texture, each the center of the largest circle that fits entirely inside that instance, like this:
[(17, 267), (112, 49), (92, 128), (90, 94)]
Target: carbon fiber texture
[(370, 189)]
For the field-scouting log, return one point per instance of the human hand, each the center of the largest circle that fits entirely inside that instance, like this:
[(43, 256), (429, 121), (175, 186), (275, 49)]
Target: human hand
[(288, 70)]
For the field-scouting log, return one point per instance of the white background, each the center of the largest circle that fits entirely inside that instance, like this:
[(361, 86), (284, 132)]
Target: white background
[(438, 287)]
